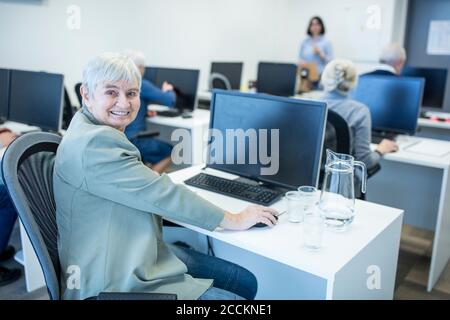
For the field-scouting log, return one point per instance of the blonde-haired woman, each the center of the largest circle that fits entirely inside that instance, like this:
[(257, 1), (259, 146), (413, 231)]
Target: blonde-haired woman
[(338, 79)]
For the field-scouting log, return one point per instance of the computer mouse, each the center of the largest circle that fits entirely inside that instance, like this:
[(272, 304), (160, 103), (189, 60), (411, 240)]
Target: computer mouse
[(186, 115), (261, 224)]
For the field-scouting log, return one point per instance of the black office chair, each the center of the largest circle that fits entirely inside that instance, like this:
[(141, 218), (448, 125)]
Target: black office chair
[(28, 174), (68, 110), (219, 81), (337, 138), (78, 93)]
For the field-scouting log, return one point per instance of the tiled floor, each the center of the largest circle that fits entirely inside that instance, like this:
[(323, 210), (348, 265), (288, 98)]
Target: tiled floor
[(412, 271)]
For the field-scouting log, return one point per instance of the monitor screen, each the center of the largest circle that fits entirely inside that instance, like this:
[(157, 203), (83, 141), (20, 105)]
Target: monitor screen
[(394, 102), (277, 78), (231, 70), (435, 84), (36, 99), (185, 82), (253, 149), (4, 94)]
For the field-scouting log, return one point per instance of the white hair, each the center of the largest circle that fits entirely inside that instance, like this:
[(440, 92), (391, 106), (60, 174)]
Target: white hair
[(392, 53), (110, 68), (340, 75), (137, 56)]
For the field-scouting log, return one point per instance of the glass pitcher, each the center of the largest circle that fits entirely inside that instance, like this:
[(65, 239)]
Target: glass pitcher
[(337, 198)]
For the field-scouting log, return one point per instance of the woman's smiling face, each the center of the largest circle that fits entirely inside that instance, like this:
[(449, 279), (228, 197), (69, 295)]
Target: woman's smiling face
[(113, 104)]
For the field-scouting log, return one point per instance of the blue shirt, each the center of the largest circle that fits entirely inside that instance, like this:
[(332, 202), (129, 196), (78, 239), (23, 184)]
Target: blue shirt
[(149, 94), (307, 54)]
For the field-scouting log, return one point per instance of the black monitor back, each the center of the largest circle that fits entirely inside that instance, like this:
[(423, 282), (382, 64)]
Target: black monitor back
[(277, 78), (301, 126), (36, 99), (185, 82), (394, 102), (231, 70), (435, 84), (4, 94)]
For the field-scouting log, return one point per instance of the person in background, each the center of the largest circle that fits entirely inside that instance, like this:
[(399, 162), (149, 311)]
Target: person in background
[(392, 61), (338, 79), (155, 153), (8, 217), (114, 232), (315, 48)]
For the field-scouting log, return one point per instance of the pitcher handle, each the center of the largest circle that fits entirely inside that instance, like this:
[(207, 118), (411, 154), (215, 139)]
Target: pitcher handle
[(363, 175)]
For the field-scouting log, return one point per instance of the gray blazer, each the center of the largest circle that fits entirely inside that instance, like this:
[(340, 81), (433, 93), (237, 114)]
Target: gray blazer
[(108, 210)]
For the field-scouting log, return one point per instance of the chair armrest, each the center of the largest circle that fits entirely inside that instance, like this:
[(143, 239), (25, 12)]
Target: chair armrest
[(135, 296), (373, 170), (146, 134)]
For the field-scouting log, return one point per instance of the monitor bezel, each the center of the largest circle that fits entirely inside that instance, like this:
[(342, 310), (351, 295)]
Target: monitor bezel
[(319, 104), (197, 71), (396, 130), (240, 64), (35, 124), (284, 64), (423, 106), (8, 85)]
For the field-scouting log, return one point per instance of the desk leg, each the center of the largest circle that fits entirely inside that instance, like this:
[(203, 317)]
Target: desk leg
[(34, 277), (441, 243)]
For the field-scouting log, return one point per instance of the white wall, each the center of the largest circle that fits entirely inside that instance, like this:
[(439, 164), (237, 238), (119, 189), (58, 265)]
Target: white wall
[(190, 34)]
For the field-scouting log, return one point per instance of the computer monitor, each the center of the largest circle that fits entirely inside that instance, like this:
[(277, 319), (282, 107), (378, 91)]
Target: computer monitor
[(4, 94), (277, 78), (185, 82), (231, 70), (36, 99), (435, 84), (301, 125), (394, 102)]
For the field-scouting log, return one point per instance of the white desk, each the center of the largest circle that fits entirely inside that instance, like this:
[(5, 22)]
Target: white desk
[(434, 129), (416, 183), (419, 184), (286, 271), (197, 127)]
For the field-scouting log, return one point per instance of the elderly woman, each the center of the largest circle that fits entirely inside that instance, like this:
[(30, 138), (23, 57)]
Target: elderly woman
[(109, 205), (338, 79)]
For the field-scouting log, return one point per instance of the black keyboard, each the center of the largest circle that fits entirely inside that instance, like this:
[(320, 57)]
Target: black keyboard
[(236, 189), (169, 113)]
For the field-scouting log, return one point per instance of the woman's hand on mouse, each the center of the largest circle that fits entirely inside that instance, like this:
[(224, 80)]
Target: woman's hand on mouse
[(387, 146), (249, 217)]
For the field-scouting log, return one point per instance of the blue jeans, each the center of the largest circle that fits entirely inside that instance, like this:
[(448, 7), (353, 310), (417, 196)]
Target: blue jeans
[(152, 150), (8, 217), (231, 282)]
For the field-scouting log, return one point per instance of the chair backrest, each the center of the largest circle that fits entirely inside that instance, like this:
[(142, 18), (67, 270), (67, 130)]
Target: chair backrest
[(337, 138), (28, 174), (68, 110), (78, 93), (337, 134), (219, 81)]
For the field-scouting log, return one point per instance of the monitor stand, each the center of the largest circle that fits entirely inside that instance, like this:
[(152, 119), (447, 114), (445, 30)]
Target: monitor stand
[(261, 184)]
